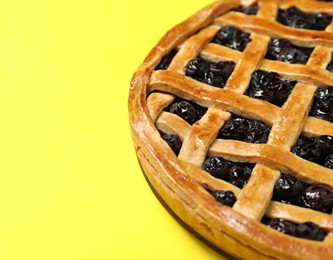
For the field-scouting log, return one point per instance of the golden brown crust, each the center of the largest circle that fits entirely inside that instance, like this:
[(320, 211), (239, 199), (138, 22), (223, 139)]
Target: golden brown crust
[(180, 181)]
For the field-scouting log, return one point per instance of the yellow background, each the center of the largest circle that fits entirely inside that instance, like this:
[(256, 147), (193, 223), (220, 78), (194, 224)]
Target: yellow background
[(70, 185)]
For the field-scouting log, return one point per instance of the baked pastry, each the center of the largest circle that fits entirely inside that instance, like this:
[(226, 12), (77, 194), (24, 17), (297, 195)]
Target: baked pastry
[(231, 116)]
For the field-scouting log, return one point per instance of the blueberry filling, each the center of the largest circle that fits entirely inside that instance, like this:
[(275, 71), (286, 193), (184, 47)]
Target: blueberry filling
[(321, 21), (225, 197), (234, 129), (294, 17), (306, 230), (232, 37), (187, 110), (269, 86), (173, 141), (212, 73), (283, 50), (166, 60), (307, 149), (216, 166), (251, 9), (239, 174), (283, 226), (290, 190), (322, 106), (317, 149), (235, 173), (242, 129), (311, 231), (325, 144)]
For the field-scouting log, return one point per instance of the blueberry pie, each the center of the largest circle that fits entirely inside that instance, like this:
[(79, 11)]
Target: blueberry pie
[(231, 115)]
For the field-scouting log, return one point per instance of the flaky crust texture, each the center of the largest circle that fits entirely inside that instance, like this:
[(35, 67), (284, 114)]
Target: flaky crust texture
[(179, 180)]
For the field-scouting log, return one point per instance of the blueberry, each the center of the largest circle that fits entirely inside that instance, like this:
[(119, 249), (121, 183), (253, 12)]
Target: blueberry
[(283, 50), (232, 37), (324, 94), (196, 68), (212, 73), (257, 132), (307, 149), (226, 34), (234, 129), (218, 73), (322, 106), (239, 174), (311, 231), (260, 83), (281, 95), (283, 226), (166, 60), (260, 93), (187, 110), (321, 21), (303, 140), (329, 161), (214, 79), (225, 68), (287, 187), (173, 141), (325, 143), (215, 166), (262, 78), (322, 110), (305, 185), (226, 197), (251, 131), (319, 197)]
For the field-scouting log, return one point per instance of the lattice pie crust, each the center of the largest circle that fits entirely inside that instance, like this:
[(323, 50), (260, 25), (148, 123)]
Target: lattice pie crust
[(180, 181)]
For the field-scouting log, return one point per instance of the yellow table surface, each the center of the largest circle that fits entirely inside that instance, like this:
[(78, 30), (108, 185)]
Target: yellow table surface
[(71, 187)]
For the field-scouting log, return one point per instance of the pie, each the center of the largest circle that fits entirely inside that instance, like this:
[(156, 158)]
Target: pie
[(231, 116)]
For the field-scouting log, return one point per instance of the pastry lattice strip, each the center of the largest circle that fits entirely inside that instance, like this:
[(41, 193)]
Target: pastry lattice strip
[(318, 76), (238, 82), (309, 38), (187, 88), (158, 83)]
